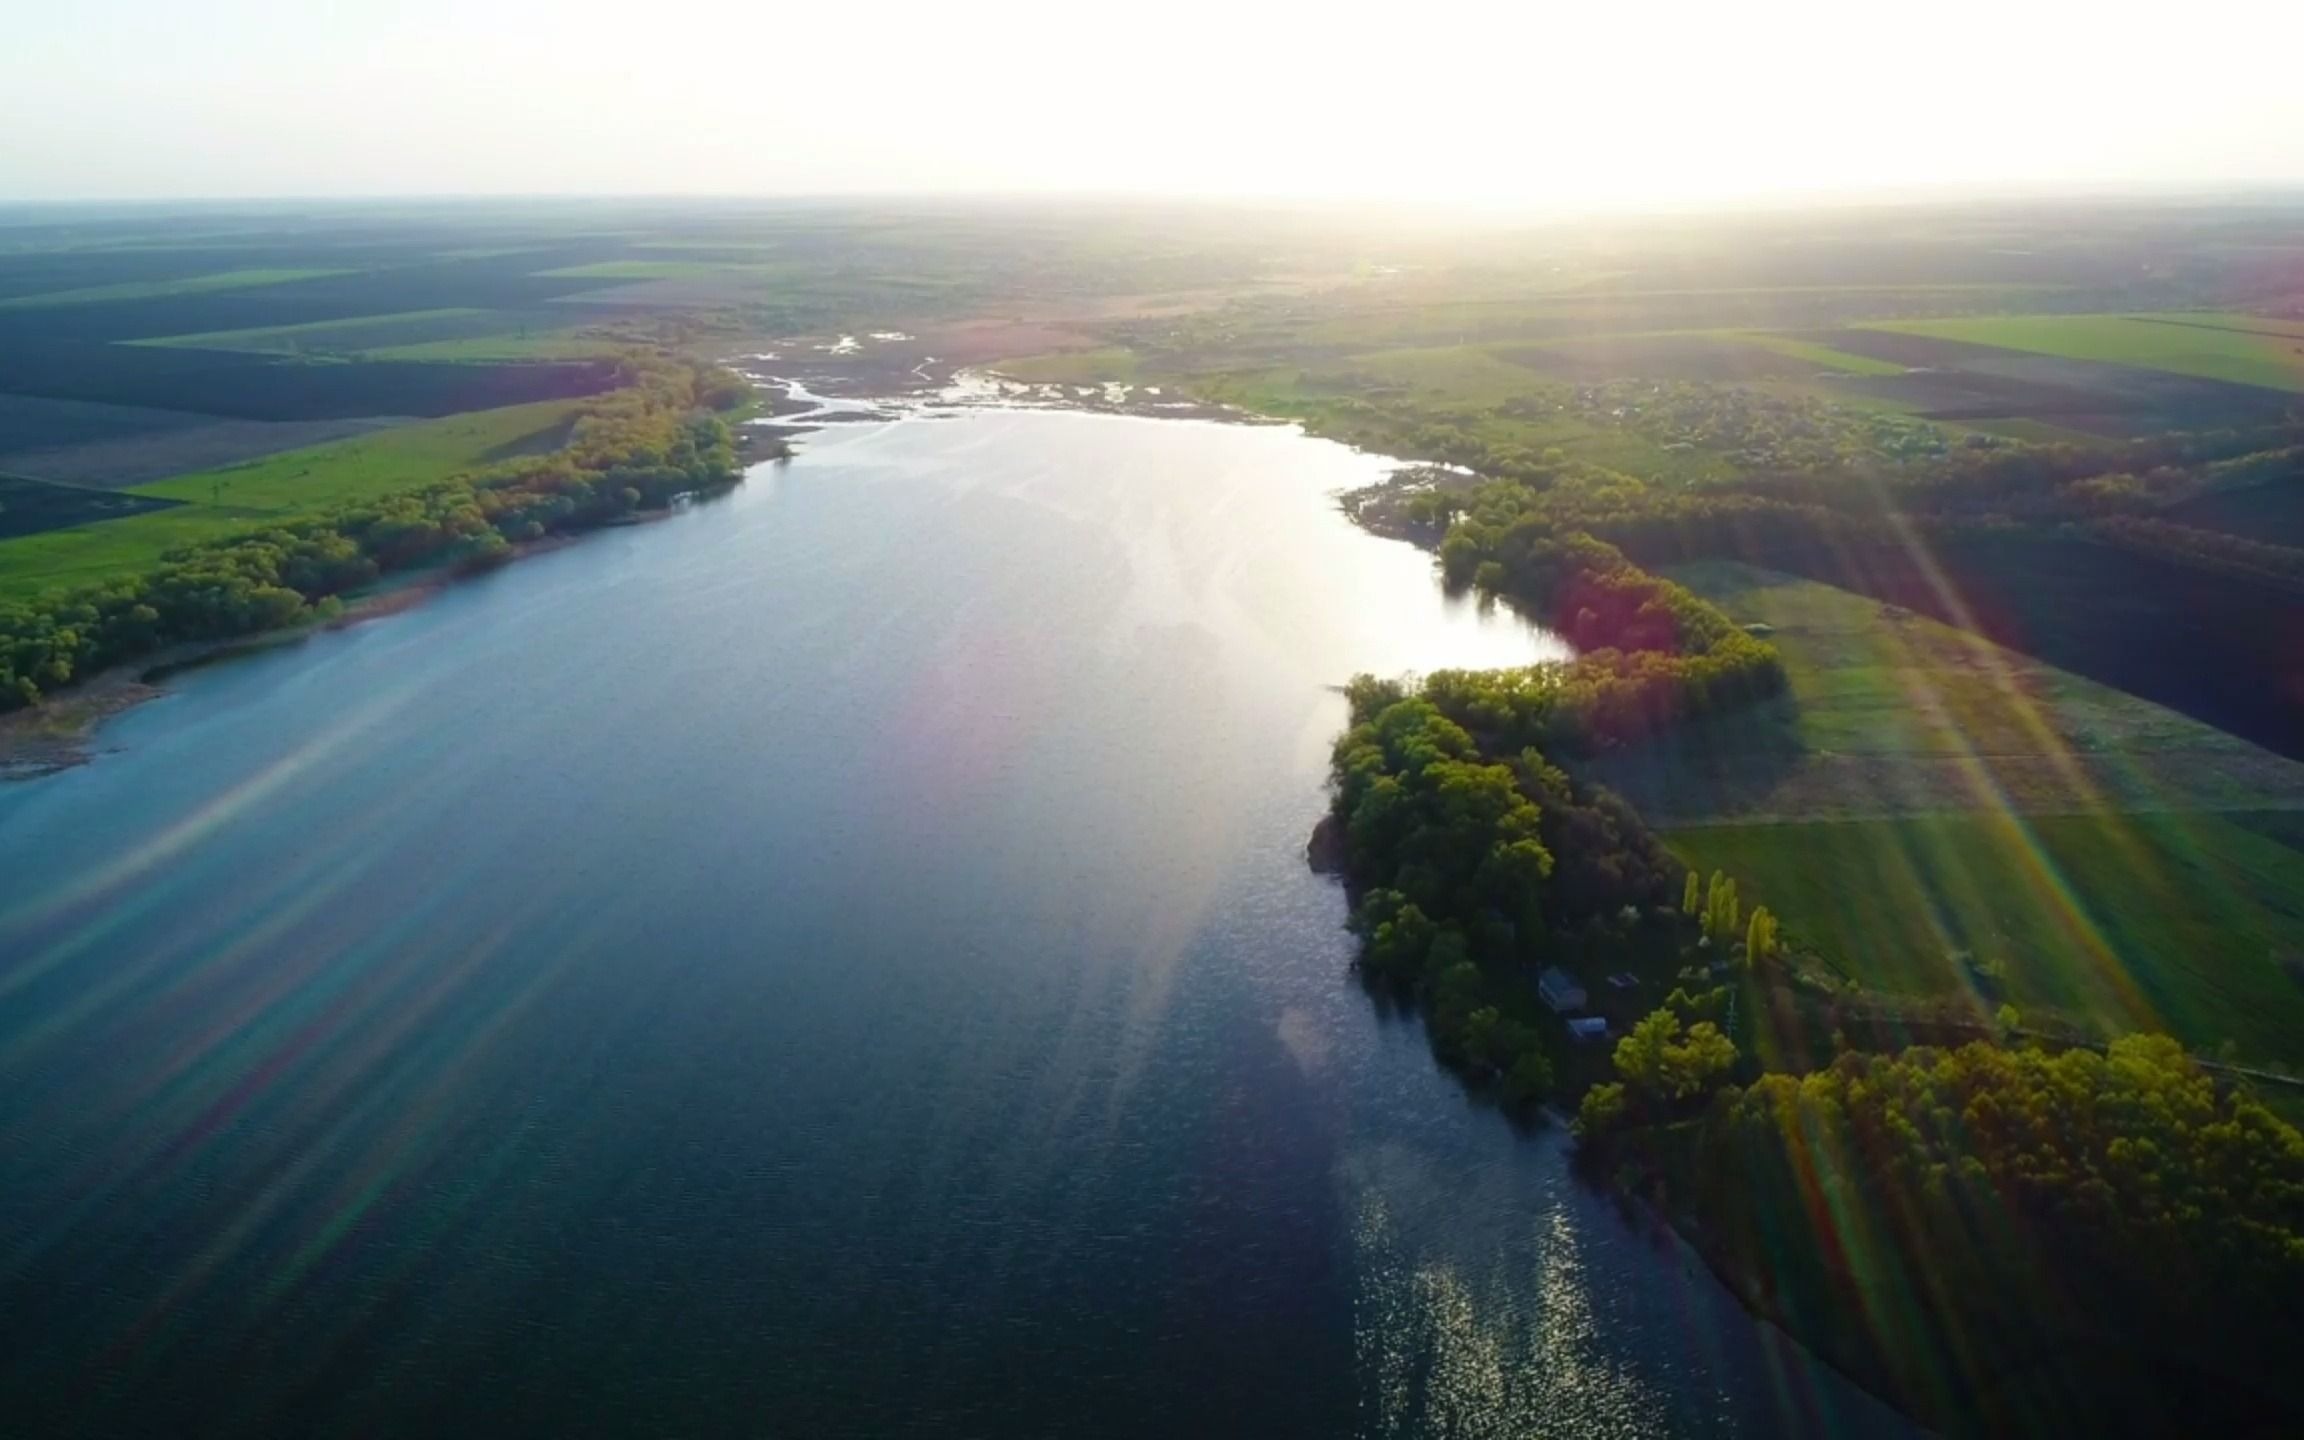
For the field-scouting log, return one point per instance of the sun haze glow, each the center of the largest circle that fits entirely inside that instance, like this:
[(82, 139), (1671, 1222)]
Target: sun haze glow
[(1527, 104)]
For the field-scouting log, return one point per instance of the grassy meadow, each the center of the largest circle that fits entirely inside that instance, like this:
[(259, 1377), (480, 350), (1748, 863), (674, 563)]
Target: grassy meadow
[(496, 349), (150, 289), (1822, 356), (1892, 713), (254, 493), (2189, 922), (2242, 349), (317, 336), (1938, 816)]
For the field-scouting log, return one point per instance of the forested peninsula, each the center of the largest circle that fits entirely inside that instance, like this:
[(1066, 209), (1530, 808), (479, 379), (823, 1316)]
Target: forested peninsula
[(661, 434), (1968, 1225)]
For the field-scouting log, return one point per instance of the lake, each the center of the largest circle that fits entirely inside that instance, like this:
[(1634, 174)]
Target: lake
[(839, 961)]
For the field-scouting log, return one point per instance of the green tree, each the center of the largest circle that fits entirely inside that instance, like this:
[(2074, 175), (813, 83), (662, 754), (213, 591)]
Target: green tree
[(1399, 945), (1723, 914), (1691, 896), (1667, 1066), (1705, 1005), (1529, 1080), (1760, 937), (1640, 1054), (1702, 1063), (1476, 1041), (1602, 1111)]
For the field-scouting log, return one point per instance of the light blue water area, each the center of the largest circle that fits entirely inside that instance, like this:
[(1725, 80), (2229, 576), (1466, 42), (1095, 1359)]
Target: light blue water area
[(837, 962)]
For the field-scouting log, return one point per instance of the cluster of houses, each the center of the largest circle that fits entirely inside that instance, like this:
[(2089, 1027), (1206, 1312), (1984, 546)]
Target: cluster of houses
[(1564, 995)]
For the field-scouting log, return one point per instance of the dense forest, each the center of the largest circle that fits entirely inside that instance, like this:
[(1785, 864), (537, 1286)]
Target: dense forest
[(1463, 868), (2112, 1242), (1649, 653), (1473, 858), (656, 437)]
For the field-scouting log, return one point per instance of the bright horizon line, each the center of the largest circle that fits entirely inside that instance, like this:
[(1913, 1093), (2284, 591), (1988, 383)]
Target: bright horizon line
[(1464, 106), (1377, 204)]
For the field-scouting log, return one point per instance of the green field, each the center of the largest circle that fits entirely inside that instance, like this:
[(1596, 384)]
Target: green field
[(1821, 355), (1891, 714), (481, 349), (243, 497), (1462, 387), (2125, 921), (149, 289), (462, 334), (1923, 794), (2182, 343), (667, 270), (2229, 320), (2034, 432), (312, 335)]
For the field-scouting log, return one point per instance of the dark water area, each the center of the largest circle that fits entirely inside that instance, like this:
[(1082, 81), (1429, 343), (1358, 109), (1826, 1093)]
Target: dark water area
[(837, 962)]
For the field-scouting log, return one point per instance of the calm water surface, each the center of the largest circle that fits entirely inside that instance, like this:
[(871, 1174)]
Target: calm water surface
[(838, 962)]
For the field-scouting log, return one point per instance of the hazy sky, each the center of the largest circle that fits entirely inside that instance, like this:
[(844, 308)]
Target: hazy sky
[(1521, 103)]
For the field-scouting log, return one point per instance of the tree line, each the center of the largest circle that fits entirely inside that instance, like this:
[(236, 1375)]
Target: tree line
[(1845, 485), (2277, 565), (1650, 653), (655, 438), (1988, 1231)]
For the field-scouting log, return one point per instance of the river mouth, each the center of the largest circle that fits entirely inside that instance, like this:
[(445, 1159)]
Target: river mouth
[(841, 955)]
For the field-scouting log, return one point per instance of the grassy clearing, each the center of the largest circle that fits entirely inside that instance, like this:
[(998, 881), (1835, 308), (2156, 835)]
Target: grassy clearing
[(2037, 432), (371, 465), (664, 270), (2227, 320), (1072, 367), (2179, 343), (1820, 355), (311, 335), (148, 289), (1894, 714), (1829, 389), (259, 492), (464, 334), (563, 345), (1923, 797), (90, 554), (2179, 922), (1456, 375), (748, 250)]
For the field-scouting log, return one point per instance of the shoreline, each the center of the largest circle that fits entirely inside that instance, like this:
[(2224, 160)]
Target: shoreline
[(64, 731), (61, 732), (807, 384), (1375, 509)]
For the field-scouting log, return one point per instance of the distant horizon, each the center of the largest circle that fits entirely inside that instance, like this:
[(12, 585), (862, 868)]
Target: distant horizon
[(2277, 188), (1557, 109)]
